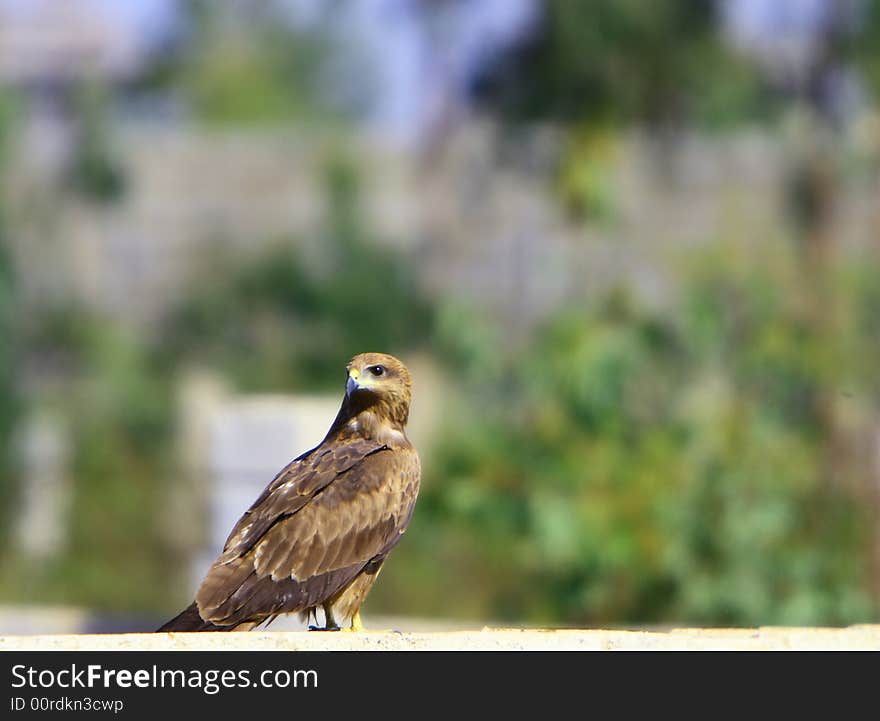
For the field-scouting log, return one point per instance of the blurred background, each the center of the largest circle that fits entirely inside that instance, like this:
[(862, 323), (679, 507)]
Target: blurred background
[(630, 251)]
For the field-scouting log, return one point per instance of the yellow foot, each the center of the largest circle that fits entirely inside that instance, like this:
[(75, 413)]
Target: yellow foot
[(356, 624)]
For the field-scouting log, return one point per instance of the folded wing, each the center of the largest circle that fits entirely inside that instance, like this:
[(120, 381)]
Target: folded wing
[(312, 531)]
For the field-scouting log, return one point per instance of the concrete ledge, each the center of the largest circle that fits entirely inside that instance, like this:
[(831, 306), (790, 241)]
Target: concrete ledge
[(862, 638)]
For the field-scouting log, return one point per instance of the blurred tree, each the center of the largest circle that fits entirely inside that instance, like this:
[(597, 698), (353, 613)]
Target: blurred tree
[(616, 62), (95, 170), (861, 44), (9, 396), (246, 65), (599, 67), (279, 321), (116, 401), (10, 401)]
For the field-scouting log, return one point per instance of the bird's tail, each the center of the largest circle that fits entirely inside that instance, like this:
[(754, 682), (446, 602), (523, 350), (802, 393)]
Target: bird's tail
[(190, 620)]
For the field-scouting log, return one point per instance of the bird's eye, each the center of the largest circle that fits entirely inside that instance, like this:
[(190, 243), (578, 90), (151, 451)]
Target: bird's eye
[(377, 370)]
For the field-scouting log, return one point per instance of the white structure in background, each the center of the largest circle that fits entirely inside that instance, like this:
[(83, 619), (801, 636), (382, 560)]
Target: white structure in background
[(44, 519), (250, 439), (46, 43)]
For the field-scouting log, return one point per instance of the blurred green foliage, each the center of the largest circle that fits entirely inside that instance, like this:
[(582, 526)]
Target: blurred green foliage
[(261, 74), (95, 171), (10, 400), (614, 62), (641, 467), (277, 320), (596, 68), (117, 405)]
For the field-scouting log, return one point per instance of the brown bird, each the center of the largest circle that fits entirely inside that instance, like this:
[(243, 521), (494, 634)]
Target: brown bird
[(319, 533)]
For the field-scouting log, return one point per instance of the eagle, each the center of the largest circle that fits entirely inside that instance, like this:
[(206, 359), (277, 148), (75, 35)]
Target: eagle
[(319, 533)]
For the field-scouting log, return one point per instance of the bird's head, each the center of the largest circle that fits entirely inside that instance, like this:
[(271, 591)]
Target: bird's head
[(380, 383)]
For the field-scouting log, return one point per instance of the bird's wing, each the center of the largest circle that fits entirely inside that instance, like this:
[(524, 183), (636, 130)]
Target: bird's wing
[(314, 528)]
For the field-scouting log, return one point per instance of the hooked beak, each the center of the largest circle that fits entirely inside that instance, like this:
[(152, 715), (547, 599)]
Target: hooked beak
[(351, 385)]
